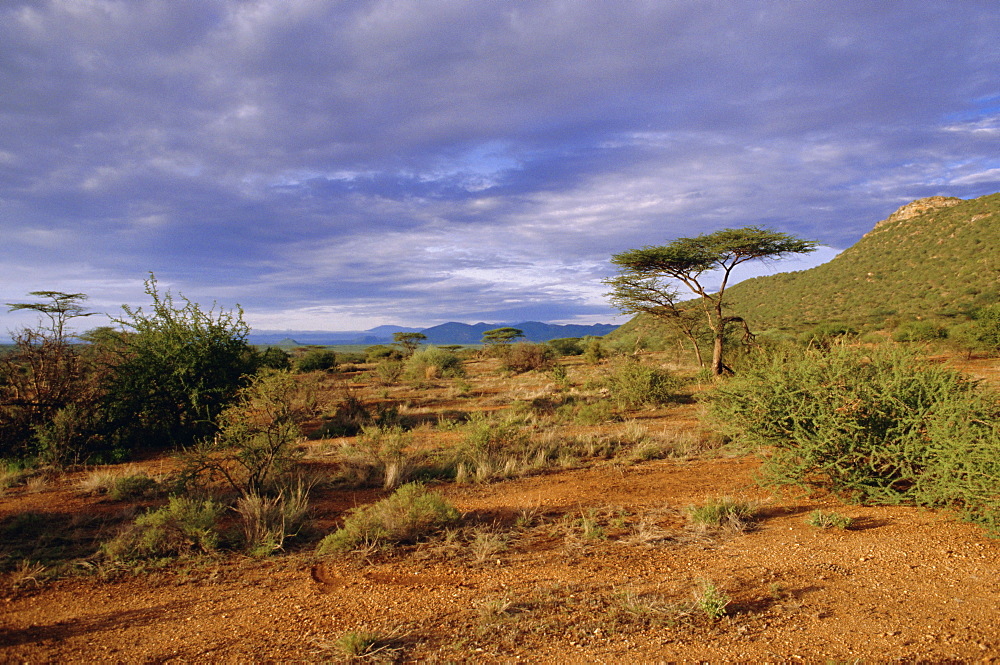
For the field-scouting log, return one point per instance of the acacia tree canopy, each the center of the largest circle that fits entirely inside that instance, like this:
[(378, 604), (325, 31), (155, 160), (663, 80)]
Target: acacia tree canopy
[(502, 335), (640, 285), (60, 308), (408, 340)]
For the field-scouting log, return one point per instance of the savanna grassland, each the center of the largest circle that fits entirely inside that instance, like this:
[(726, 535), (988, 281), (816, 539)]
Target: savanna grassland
[(527, 506), (828, 489)]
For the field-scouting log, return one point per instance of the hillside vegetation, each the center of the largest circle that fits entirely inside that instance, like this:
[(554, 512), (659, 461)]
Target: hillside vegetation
[(933, 258)]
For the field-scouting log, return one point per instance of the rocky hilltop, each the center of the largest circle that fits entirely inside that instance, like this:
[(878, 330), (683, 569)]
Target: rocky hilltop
[(919, 207)]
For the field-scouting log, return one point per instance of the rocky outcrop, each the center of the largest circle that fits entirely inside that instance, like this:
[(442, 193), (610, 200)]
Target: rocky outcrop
[(919, 207)]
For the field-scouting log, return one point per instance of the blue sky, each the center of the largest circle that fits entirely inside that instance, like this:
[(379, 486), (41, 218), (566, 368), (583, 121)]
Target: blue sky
[(344, 164)]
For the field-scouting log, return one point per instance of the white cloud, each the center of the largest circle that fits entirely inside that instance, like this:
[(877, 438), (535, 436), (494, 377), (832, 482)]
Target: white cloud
[(987, 176)]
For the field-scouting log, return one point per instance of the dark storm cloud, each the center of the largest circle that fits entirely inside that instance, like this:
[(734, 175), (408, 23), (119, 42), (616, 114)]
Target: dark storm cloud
[(339, 164)]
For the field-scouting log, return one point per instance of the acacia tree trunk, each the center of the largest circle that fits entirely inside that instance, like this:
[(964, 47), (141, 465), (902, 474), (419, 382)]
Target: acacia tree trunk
[(717, 323), (718, 367)]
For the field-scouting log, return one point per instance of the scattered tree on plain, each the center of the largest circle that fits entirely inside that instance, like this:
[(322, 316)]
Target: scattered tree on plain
[(501, 335), (408, 340), (45, 395), (60, 309), (643, 283)]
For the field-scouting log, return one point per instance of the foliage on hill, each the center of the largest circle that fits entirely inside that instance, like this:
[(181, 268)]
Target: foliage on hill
[(934, 258)]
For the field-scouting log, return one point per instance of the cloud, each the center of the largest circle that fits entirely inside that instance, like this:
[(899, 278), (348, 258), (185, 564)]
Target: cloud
[(417, 161)]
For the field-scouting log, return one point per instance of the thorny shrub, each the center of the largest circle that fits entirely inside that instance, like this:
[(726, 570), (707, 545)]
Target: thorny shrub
[(880, 425), (409, 514)]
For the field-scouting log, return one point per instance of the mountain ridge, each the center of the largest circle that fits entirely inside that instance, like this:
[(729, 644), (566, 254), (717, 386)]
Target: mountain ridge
[(446, 333)]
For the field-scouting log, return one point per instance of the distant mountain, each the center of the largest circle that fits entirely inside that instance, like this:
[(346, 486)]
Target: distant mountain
[(534, 331), (293, 338), (446, 333), (387, 331)]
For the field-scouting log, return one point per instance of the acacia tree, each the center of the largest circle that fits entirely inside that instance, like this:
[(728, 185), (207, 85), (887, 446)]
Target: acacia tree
[(60, 308), (408, 340), (44, 388), (640, 284), (502, 335)]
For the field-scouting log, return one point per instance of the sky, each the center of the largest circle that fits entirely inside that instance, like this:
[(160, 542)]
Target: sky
[(344, 164)]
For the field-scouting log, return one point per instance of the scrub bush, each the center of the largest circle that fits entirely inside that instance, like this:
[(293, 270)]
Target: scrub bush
[(495, 447), (378, 456), (524, 357), (409, 514), (256, 442), (388, 371), (183, 526), (633, 385), (317, 360), (431, 362), (879, 425), (566, 346)]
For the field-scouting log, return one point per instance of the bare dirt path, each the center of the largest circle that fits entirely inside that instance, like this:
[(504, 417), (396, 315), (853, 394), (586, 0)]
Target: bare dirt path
[(901, 584)]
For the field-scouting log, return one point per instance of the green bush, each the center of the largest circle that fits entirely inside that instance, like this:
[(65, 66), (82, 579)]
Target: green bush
[(586, 413), (274, 358), (987, 321), (177, 368), (825, 334), (431, 362), (382, 352), (524, 356), (633, 385), (919, 331), (711, 600), (877, 424), (406, 516), (135, 486), (316, 360), (982, 333), (256, 441), (388, 371), (593, 351), (68, 436), (184, 525), (566, 346)]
